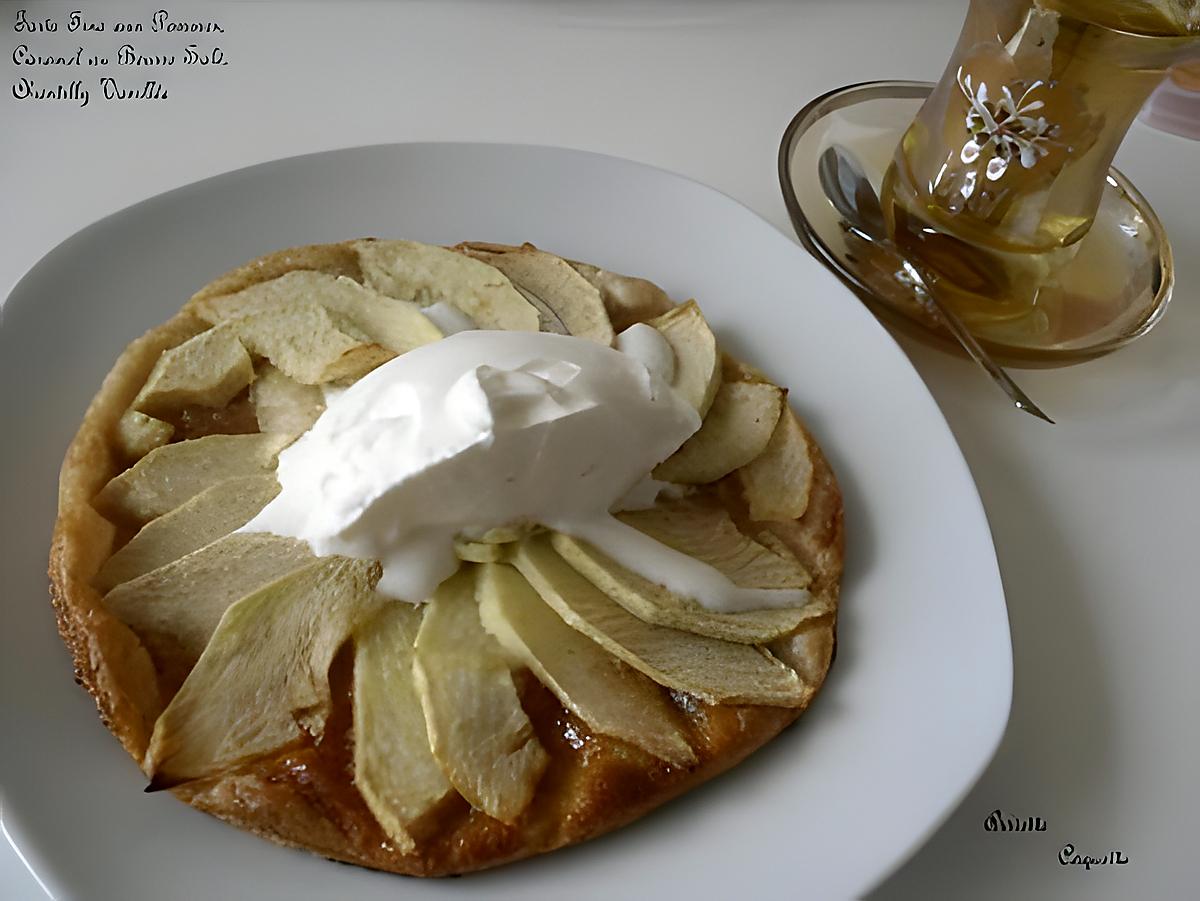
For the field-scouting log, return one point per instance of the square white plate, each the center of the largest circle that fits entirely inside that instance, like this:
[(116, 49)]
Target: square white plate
[(918, 696)]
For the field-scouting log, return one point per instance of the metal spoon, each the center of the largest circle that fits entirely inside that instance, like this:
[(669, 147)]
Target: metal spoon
[(847, 187)]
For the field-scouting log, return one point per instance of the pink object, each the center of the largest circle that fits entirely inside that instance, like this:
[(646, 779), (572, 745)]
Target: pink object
[(1174, 108)]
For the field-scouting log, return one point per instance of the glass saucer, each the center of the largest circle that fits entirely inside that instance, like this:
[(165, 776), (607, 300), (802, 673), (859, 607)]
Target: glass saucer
[(1115, 289)]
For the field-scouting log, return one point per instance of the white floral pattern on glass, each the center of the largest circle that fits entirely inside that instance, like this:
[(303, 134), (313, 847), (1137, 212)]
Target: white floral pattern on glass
[(1002, 130)]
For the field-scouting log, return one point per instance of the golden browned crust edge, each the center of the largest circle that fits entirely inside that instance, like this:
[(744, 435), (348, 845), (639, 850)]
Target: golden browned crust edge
[(335, 259), (116, 670), (276, 811), (110, 661)]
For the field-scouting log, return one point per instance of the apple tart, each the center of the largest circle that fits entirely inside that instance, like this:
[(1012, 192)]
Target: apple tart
[(544, 693)]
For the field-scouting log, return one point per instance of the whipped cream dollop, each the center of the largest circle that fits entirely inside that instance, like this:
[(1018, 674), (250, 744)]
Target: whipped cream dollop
[(490, 428)]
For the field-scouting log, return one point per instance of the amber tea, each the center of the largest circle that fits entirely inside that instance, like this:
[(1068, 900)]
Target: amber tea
[(1003, 170)]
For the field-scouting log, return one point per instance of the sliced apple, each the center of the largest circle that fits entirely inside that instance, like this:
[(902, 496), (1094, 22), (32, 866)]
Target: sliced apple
[(734, 370), (505, 534), (208, 369), (776, 545), (310, 344), (548, 320), (176, 607), (336, 259), (477, 729), (262, 681), (715, 671), (611, 698), (571, 299), (737, 429), (809, 650), (815, 539), (137, 434), (492, 545), (174, 473), (449, 319), (424, 273), (273, 295), (394, 768), (658, 605), (396, 325), (211, 514), (702, 528), (295, 321), (778, 482), (282, 404), (697, 363), (399, 325), (480, 551), (626, 298)]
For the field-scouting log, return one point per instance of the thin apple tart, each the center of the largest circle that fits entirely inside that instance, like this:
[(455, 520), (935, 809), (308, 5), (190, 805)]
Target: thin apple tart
[(547, 688)]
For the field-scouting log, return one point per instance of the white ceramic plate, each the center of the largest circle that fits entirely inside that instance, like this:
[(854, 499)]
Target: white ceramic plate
[(918, 696)]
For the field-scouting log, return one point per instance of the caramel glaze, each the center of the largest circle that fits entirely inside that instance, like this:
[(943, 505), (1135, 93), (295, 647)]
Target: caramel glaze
[(588, 779), (235, 418)]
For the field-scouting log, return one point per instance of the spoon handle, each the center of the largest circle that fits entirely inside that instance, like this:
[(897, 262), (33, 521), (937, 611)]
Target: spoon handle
[(926, 291), (852, 195)]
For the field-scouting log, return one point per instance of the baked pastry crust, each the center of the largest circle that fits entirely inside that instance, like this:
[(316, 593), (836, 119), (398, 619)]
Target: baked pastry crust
[(304, 795)]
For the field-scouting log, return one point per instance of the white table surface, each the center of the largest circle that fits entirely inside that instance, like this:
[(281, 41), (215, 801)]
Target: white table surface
[(1095, 519)]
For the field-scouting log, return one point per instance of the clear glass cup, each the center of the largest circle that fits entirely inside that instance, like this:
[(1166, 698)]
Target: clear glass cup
[(1001, 173)]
